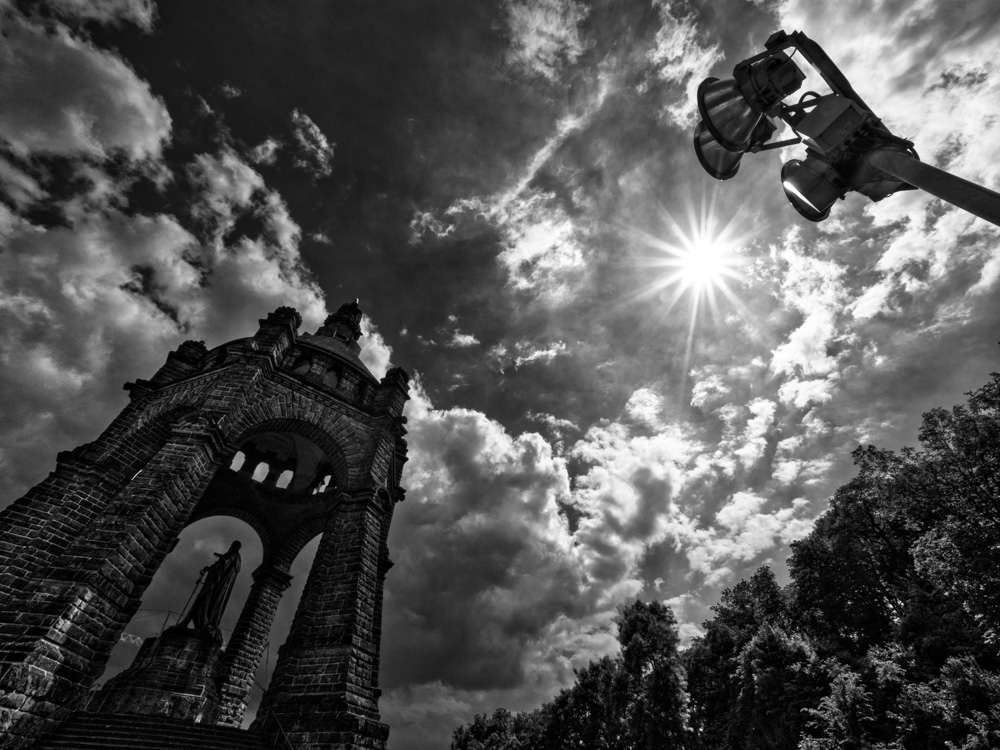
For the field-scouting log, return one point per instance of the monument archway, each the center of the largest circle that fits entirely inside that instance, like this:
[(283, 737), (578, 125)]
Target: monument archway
[(173, 587), (318, 447)]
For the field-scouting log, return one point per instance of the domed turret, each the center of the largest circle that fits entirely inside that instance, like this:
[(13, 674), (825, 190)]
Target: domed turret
[(339, 335)]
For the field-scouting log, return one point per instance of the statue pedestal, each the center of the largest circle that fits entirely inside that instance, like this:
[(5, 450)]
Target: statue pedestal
[(172, 675)]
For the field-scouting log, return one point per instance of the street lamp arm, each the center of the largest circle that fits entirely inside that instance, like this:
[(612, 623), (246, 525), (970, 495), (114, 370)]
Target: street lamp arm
[(974, 198), (758, 147)]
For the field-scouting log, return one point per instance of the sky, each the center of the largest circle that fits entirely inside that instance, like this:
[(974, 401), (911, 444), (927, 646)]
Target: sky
[(510, 189)]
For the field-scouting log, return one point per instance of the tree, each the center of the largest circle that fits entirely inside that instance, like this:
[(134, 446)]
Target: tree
[(656, 700), (844, 717), (499, 731), (712, 661), (960, 475), (779, 678), (853, 573), (591, 713), (633, 701)]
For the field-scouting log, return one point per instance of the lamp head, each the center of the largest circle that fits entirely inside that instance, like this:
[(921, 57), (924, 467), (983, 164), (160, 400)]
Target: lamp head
[(811, 186), (732, 108), (719, 162), (726, 114)]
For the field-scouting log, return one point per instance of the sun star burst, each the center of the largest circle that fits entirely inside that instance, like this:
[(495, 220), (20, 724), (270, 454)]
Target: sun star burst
[(699, 261)]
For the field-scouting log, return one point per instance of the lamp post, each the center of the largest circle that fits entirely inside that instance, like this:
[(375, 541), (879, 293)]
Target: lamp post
[(848, 148)]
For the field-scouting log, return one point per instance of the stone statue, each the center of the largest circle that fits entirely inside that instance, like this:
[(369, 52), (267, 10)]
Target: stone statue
[(206, 612)]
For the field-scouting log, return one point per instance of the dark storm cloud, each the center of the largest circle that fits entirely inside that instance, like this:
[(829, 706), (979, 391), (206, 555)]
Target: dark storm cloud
[(483, 564)]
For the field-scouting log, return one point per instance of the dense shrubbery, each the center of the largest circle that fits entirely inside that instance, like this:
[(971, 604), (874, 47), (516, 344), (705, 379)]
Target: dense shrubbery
[(886, 638)]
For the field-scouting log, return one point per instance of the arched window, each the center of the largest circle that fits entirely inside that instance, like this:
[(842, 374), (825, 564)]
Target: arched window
[(261, 471), (238, 460), (284, 479)]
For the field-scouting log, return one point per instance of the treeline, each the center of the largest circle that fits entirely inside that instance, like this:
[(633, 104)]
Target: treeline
[(887, 637)]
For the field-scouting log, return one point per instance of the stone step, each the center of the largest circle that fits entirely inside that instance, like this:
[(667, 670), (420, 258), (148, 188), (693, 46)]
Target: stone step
[(94, 731)]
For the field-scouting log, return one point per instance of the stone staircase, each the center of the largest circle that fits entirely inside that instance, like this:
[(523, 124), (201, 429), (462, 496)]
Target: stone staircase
[(93, 731)]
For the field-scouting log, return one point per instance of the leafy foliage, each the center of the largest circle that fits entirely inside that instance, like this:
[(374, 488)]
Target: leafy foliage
[(501, 731)]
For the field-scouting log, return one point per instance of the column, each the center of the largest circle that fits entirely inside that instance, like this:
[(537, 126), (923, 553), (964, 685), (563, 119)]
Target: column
[(247, 644), (324, 692)]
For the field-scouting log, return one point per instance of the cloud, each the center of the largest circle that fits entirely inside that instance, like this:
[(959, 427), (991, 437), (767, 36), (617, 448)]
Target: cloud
[(60, 95), (19, 187), (461, 340), (814, 288), (429, 711), (521, 353), (376, 354), (544, 35), (424, 222), (265, 152), (745, 532), (140, 12), (541, 249), (73, 311), (543, 239), (558, 428), (680, 58), (645, 407), (227, 186), (756, 431), (540, 600), (625, 495), (313, 152), (475, 491), (802, 393), (743, 506), (229, 91)]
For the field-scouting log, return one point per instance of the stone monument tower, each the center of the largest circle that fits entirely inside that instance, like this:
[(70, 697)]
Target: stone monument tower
[(79, 549)]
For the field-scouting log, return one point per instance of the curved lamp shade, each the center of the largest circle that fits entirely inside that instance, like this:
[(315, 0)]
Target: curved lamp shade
[(811, 187), (719, 162), (726, 113)]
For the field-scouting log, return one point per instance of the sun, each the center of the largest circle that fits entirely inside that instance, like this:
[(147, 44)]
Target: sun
[(703, 265), (701, 261)]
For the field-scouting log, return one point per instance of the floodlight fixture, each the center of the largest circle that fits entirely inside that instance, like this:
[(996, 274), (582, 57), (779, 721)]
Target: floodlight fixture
[(811, 186), (732, 108), (726, 114), (721, 162), (717, 160), (848, 146)]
